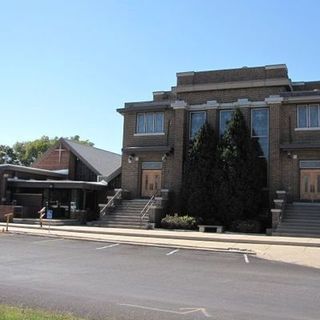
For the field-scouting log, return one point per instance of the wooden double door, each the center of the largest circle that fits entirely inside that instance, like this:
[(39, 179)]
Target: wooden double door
[(151, 183), (310, 185)]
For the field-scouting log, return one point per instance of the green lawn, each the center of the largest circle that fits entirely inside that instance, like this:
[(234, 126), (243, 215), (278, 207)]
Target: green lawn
[(14, 313)]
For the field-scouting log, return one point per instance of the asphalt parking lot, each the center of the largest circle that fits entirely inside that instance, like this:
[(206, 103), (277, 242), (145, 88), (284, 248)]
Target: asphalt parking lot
[(100, 280)]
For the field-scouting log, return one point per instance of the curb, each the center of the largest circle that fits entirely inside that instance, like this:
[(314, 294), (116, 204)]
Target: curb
[(134, 243), (179, 237)]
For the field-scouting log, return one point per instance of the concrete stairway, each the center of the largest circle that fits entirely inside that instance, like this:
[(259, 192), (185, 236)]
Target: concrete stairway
[(300, 219), (125, 215)]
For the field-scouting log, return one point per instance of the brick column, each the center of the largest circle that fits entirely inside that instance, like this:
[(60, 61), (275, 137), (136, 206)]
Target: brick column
[(274, 145), (180, 125)]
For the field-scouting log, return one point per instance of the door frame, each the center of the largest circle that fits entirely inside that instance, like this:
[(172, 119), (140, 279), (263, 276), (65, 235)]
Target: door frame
[(301, 183), (141, 180)]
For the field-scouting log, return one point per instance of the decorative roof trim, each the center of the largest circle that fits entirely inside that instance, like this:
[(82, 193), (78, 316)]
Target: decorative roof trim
[(234, 85)]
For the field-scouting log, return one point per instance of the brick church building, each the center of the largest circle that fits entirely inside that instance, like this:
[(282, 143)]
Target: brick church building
[(69, 175), (283, 115)]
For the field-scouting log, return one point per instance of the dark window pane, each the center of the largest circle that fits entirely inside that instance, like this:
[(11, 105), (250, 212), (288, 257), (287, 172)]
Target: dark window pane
[(159, 122), (225, 118), (140, 123), (313, 116), (302, 117), (259, 123), (149, 123), (197, 121)]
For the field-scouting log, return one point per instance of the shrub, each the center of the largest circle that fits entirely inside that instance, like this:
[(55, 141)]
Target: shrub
[(178, 222)]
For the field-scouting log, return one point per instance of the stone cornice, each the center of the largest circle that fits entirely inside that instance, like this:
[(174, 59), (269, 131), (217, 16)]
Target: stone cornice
[(234, 85)]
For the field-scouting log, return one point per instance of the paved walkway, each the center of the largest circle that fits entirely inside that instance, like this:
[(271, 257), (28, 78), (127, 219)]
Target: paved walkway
[(302, 251)]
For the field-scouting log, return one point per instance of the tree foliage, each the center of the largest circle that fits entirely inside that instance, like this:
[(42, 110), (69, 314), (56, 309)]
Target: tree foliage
[(7, 155), (224, 181), (241, 172), (199, 181), (26, 152)]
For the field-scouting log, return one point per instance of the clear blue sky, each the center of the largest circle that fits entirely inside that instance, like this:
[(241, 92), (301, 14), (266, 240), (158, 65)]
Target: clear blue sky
[(65, 66)]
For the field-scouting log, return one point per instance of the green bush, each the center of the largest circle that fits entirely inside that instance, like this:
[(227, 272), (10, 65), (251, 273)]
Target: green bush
[(179, 222), (246, 226)]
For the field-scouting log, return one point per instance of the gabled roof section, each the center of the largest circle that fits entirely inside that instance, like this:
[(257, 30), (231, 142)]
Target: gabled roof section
[(101, 162)]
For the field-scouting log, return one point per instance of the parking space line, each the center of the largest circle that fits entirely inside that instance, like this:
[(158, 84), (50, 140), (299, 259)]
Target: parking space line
[(172, 252), (108, 246), (48, 240), (246, 259)]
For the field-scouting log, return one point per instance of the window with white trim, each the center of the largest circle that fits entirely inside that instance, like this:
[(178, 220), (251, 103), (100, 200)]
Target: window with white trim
[(197, 120), (308, 116), (150, 122), (260, 129), (224, 120)]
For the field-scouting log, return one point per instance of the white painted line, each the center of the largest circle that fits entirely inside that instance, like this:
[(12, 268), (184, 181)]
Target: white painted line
[(246, 259), (172, 252), (108, 246), (48, 240), (182, 311)]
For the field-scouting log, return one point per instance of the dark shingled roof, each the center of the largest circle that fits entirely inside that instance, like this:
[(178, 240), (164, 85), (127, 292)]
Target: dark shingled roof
[(102, 162)]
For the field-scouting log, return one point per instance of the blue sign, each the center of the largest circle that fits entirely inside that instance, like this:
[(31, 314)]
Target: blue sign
[(49, 214)]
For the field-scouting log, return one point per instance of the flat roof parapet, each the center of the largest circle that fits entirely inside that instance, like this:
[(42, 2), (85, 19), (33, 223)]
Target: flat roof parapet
[(278, 71)]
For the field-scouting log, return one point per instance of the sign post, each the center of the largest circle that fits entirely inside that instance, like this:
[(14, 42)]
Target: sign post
[(49, 217)]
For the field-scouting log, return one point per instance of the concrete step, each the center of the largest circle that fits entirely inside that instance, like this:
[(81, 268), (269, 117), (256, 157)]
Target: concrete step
[(295, 234), (300, 222), (124, 219), (118, 225)]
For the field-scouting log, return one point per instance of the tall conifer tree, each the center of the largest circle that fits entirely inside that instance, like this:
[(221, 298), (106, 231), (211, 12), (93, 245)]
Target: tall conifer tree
[(241, 173), (199, 185)]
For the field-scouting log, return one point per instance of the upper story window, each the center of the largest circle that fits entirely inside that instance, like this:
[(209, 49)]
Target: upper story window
[(197, 120), (260, 129), (225, 118), (150, 122), (308, 116)]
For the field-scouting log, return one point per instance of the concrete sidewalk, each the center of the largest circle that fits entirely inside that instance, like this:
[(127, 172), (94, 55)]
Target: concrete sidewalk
[(302, 251)]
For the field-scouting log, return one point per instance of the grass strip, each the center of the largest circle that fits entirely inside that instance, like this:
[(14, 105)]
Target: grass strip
[(16, 313)]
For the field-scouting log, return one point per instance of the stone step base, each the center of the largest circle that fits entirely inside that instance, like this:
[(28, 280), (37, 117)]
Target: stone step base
[(52, 222)]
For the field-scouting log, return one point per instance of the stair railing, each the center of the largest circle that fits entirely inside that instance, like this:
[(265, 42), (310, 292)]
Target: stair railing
[(110, 203), (147, 207)]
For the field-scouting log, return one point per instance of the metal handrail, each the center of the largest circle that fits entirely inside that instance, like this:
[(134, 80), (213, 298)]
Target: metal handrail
[(111, 202), (8, 216), (42, 213), (146, 208)]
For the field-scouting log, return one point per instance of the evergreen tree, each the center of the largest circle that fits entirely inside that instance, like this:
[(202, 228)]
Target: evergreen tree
[(241, 173), (199, 182)]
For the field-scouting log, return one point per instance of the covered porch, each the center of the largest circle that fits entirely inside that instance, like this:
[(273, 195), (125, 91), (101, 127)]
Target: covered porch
[(65, 198)]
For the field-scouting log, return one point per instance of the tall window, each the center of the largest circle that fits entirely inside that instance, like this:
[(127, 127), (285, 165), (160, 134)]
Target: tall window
[(197, 120), (225, 118), (308, 116), (150, 122), (260, 129)]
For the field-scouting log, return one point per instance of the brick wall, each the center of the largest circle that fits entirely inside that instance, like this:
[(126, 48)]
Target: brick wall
[(51, 161), (230, 95), (241, 74), (130, 139)]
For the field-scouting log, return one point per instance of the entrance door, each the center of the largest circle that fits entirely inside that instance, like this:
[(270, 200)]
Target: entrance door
[(151, 182), (310, 185)]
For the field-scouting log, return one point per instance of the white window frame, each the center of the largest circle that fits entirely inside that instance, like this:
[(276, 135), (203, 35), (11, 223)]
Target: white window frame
[(190, 120), (268, 129), (151, 133), (308, 127)]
